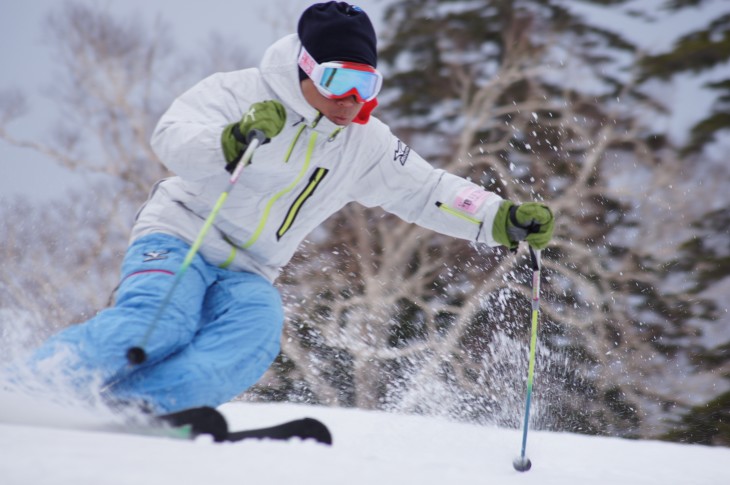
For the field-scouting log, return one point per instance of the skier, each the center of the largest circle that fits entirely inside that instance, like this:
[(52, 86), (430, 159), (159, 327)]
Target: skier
[(312, 98)]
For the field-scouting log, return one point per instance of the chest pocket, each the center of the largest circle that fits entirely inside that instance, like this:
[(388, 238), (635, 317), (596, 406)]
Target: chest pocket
[(314, 181)]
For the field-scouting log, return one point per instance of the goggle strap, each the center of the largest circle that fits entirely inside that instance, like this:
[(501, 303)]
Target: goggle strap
[(307, 62)]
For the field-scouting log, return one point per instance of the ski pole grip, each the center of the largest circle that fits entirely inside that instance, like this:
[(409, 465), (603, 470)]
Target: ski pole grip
[(257, 135)]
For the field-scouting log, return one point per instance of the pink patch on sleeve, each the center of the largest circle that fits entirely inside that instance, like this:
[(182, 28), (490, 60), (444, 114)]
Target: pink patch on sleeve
[(471, 199)]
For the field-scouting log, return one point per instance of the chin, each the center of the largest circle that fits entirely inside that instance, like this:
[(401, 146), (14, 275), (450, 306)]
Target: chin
[(340, 121)]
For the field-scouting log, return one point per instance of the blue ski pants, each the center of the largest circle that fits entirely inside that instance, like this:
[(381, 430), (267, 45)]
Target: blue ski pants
[(217, 336)]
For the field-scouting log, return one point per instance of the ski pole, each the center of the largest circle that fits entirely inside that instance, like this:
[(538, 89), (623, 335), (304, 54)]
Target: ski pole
[(137, 355), (522, 463)]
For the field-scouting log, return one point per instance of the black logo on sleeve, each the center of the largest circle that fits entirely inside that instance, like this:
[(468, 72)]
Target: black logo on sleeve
[(401, 152)]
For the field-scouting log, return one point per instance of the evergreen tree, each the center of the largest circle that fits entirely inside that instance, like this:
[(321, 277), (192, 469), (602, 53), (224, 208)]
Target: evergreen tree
[(697, 52), (702, 262)]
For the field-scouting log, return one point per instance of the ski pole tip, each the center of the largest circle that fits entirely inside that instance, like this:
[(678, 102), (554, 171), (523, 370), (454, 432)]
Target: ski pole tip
[(136, 355)]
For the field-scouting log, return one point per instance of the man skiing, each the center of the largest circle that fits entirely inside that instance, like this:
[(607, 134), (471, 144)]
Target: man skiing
[(312, 98)]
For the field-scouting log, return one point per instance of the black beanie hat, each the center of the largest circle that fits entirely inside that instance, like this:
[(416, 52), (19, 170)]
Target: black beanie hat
[(338, 31)]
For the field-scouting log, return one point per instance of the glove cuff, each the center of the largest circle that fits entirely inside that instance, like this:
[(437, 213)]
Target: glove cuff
[(500, 227)]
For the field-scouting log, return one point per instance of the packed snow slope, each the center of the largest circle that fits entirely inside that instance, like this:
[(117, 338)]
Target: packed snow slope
[(369, 448)]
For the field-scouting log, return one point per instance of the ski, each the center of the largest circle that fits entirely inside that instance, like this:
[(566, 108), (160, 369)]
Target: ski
[(191, 423), (305, 428), (187, 424)]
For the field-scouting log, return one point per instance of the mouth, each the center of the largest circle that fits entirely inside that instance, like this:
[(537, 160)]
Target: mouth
[(340, 120)]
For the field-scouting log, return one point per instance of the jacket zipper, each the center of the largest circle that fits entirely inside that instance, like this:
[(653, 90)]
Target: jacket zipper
[(454, 212), (291, 215), (286, 190), (293, 211)]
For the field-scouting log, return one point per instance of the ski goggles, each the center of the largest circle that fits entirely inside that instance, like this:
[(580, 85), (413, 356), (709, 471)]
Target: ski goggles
[(336, 80)]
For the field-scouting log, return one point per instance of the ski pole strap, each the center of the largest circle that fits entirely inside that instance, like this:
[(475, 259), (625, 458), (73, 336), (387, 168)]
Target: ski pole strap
[(518, 231), (245, 142), (535, 256), (535, 259)]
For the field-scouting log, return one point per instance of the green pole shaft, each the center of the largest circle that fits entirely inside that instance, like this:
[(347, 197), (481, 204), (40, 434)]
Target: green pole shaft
[(137, 355), (535, 256)]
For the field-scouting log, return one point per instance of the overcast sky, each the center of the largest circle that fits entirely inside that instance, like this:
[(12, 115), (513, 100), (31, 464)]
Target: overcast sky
[(26, 62)]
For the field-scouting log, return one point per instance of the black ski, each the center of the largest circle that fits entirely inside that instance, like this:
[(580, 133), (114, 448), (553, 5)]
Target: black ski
[(208, 421), (306, 428)]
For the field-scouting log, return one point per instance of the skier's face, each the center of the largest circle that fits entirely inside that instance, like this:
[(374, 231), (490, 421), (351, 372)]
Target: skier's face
[(339, 111)]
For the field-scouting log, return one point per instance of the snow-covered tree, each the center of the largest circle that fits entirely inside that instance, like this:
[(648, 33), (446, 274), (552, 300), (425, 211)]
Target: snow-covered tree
[(533, 102)]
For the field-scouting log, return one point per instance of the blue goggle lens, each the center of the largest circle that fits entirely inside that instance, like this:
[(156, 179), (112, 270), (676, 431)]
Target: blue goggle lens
[(340, 81)]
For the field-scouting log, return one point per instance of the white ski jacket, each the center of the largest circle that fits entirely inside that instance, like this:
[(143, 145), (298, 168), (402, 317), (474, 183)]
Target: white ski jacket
[(309, 171)]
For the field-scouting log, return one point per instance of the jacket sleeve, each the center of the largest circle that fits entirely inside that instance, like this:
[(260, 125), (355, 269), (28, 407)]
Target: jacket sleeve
[(403, 183), (187, 138)]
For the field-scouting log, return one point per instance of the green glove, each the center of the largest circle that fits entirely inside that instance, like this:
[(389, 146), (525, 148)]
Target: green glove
[(266, 116), (531, 222)]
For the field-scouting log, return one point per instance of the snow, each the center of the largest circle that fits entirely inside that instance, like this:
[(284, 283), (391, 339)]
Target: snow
[(369, 448)]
